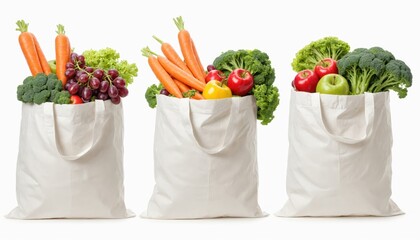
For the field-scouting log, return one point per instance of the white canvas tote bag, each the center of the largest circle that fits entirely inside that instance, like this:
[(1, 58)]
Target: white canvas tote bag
[(70, 162), (339, 161), (205, 156)]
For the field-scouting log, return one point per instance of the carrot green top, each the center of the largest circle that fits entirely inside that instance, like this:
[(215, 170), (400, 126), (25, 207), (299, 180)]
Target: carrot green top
[(179, 23), (22, 26), (60, 29)]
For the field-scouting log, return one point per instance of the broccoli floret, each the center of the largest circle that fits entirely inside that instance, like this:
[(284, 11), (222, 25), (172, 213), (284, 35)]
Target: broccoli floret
[(20, 91), (267, 100), (229, 61), (382, 54), (53, 83), (360, 67), (255, 61), (39, 89), (397, 77), (28, 80), (42, 96), (25, 91), (374, 70), (28, 96), (52, 95), (40, 82), (311, 54), (151, 93), (53, 76), (62, 97)]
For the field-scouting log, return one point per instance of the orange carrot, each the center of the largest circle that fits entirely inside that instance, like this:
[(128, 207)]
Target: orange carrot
[(198, 96), (42, 59), (186, 45), (27, 44), (161, 74), (180, 74), (184, 89), (198, 59), (172, 55), (62, 53)]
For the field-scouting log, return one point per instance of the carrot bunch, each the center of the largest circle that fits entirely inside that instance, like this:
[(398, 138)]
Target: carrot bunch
[(32, 51), (176, 75)]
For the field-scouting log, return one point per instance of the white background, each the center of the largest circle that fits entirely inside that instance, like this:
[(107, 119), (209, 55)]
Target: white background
[(279, 28)]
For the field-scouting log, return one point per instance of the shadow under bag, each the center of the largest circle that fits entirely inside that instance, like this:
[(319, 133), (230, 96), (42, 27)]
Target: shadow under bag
[(70, 162), (339, 161)]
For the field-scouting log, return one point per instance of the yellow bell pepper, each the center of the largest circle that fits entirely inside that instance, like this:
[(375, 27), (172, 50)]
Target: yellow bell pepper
[(215, 89)]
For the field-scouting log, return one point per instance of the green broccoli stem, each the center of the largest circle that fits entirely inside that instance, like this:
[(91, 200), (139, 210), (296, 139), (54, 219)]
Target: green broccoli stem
[(352, 77), (233, 64), (226, 67), (376, 86), (236, 63), (359, 83), (383, 83), (385, 86), (364, 84)]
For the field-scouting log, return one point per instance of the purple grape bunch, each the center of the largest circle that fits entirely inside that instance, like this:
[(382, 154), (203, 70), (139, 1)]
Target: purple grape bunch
[(93, 83)]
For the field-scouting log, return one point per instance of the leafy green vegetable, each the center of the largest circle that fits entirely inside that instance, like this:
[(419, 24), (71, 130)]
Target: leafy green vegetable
[(40, 88), (189, 93), (259, 64), (108, 58), (375, 70), (311, 54), (256, 62), (267, 99), (151, 93)]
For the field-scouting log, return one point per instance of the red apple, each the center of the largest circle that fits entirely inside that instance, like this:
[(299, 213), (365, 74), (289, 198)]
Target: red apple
[(306, 81), (240, 81), (215, 75), (326, 66), (74, 99)]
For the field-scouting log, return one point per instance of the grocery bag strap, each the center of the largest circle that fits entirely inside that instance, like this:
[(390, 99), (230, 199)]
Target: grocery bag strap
[(50, 120), (186, 118), (369, 118)]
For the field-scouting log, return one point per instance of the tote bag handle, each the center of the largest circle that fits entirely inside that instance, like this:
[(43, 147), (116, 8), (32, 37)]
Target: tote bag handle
[(50, 120), (369, 118), (227, 138)]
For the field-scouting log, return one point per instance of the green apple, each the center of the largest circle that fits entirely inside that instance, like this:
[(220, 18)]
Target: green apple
[(52, 66), (333, 84)]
